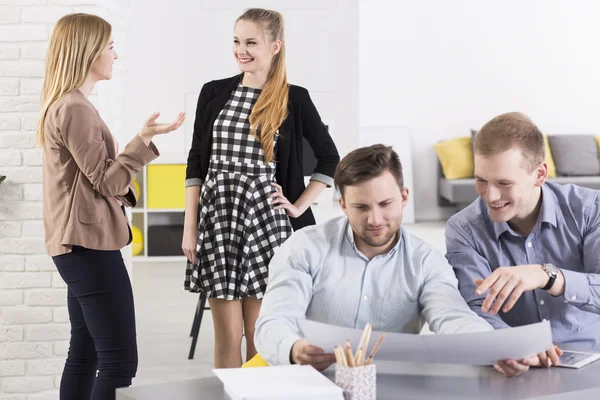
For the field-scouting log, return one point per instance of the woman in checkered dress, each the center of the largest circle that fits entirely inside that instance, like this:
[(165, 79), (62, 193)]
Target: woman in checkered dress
[(245, 188)]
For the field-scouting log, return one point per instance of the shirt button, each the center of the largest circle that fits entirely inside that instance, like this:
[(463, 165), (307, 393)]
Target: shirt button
[(573, 297), (529, 244), (365, 298), (542, 302)]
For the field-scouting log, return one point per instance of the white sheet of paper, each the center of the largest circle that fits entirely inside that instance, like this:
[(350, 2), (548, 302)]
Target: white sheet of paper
[(278, 382), (483, 348)]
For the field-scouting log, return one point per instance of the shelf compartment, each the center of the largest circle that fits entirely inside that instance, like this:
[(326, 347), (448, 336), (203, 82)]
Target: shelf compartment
[(138, 230), (165, 232), (166, 186)]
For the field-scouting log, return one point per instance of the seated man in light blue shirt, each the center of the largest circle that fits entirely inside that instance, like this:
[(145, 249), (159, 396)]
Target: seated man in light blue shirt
[(528, 250), (358, 269)]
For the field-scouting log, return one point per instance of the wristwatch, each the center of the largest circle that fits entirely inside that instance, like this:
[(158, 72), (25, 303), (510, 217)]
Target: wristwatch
[(552, 272)]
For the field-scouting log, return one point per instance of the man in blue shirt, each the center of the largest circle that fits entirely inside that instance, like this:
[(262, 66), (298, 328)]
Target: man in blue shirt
[(360, 268), (527, 250)]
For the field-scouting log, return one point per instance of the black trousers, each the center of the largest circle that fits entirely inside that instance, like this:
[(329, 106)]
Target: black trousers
[(103, 348)]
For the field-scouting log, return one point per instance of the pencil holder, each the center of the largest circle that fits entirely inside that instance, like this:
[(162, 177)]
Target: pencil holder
[(359, 383)]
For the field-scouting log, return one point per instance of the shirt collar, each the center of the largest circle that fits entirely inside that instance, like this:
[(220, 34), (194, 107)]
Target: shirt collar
[(548, 213)]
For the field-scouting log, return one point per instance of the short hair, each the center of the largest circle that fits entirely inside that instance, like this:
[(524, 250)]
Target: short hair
[(512, 130), (367, 163)]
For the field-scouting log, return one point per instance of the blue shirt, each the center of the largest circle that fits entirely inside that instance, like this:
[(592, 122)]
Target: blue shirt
[(319, 274), (567, 234)]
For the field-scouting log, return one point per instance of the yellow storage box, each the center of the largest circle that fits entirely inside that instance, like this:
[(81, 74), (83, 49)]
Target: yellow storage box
[(166, 186)]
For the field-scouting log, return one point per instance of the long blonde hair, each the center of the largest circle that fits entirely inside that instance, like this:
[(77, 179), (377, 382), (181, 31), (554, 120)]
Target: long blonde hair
[(76, 43), (270, 109)]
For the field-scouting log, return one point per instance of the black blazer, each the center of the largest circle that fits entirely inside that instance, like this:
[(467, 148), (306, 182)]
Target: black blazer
[(303, 120)]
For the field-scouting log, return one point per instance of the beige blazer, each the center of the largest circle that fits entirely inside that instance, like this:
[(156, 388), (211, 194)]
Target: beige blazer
[(82, 177)]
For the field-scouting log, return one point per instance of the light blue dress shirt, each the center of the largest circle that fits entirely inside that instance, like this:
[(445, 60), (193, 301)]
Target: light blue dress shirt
[(319, 274), (567, 234)]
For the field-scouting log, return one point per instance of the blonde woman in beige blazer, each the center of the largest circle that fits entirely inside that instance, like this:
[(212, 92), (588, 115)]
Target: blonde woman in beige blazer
[(86, 185)]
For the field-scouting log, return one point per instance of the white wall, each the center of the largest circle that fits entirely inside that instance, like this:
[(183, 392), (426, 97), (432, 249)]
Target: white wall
[(177, 46), (442, 67), (34, 325)]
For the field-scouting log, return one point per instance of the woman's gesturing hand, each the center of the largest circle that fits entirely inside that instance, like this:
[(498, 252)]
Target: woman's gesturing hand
[(152, 128)]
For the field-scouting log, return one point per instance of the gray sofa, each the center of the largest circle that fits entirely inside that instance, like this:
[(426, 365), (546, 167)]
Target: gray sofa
[(573, 155)]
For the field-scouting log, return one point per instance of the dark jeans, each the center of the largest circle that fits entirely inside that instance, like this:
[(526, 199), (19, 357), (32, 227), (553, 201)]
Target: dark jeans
[(103, 349)]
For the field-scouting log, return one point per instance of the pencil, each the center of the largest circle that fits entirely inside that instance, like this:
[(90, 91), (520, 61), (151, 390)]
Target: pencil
[(349, 355), (342, 355), (361, 342), (338, 360), (374, 351), (359, 358), (365, 345), (368, 339)]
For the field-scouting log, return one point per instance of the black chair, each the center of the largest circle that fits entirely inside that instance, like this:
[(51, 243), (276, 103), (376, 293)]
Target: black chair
[(196, 324)]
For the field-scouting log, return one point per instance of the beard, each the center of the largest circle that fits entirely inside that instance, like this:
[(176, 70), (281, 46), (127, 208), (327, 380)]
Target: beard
[(378, 242)]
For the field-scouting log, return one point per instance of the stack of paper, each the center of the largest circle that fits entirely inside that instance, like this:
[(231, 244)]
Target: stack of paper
[(274, 383), (481, 348)]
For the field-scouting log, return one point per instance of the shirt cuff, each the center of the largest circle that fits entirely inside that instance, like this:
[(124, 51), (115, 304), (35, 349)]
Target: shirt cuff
[(193, 182), (577, 287), (154, 149), (322, 178), (285, 349), (129, 199)]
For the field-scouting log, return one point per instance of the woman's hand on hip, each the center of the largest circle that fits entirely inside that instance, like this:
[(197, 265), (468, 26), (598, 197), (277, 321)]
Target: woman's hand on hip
[(152, 128), (279, 201), (188, 245)]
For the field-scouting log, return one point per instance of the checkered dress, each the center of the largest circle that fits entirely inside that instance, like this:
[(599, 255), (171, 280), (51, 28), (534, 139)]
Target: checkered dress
[(238, 228)]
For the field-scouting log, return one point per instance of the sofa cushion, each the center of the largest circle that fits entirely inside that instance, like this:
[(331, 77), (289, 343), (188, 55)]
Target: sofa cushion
[(549, 159), (575, 155), (456, 157)]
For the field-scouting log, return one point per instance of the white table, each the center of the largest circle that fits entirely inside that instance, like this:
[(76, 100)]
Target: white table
[(421, 381)]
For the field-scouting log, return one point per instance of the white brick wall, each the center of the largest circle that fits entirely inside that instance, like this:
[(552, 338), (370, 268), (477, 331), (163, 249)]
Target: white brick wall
[(34, 321)]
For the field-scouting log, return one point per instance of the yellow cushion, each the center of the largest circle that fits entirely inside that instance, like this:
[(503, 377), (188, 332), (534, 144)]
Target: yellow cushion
[(456, 157), (598, 142), (550, 160), (256, 361)]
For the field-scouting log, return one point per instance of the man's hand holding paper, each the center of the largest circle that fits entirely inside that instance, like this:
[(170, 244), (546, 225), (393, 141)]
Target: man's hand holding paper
[(304, 353)]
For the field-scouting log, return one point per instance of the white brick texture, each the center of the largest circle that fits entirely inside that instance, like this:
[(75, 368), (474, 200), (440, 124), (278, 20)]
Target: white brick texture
[(9, 15), (26, 384), (10, 192), (49, 366), (9, 122), (52, 297), (48, 15), (32, 86), (8, 87), (11, 334), (34, 320), (11, 297), (19, 33), (53, 395), (34, 51), (9, 52), (12, 368)]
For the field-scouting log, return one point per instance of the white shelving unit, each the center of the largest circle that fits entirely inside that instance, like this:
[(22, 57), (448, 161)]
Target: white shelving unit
[(142, 217)]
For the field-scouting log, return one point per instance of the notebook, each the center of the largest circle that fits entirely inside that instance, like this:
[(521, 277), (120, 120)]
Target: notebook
[(280, 382)]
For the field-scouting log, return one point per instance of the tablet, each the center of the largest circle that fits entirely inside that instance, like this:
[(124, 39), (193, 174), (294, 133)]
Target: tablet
[(576, 359)]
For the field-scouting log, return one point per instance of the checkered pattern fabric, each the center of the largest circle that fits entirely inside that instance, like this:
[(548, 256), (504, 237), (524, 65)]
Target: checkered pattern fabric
[(238, 229)]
